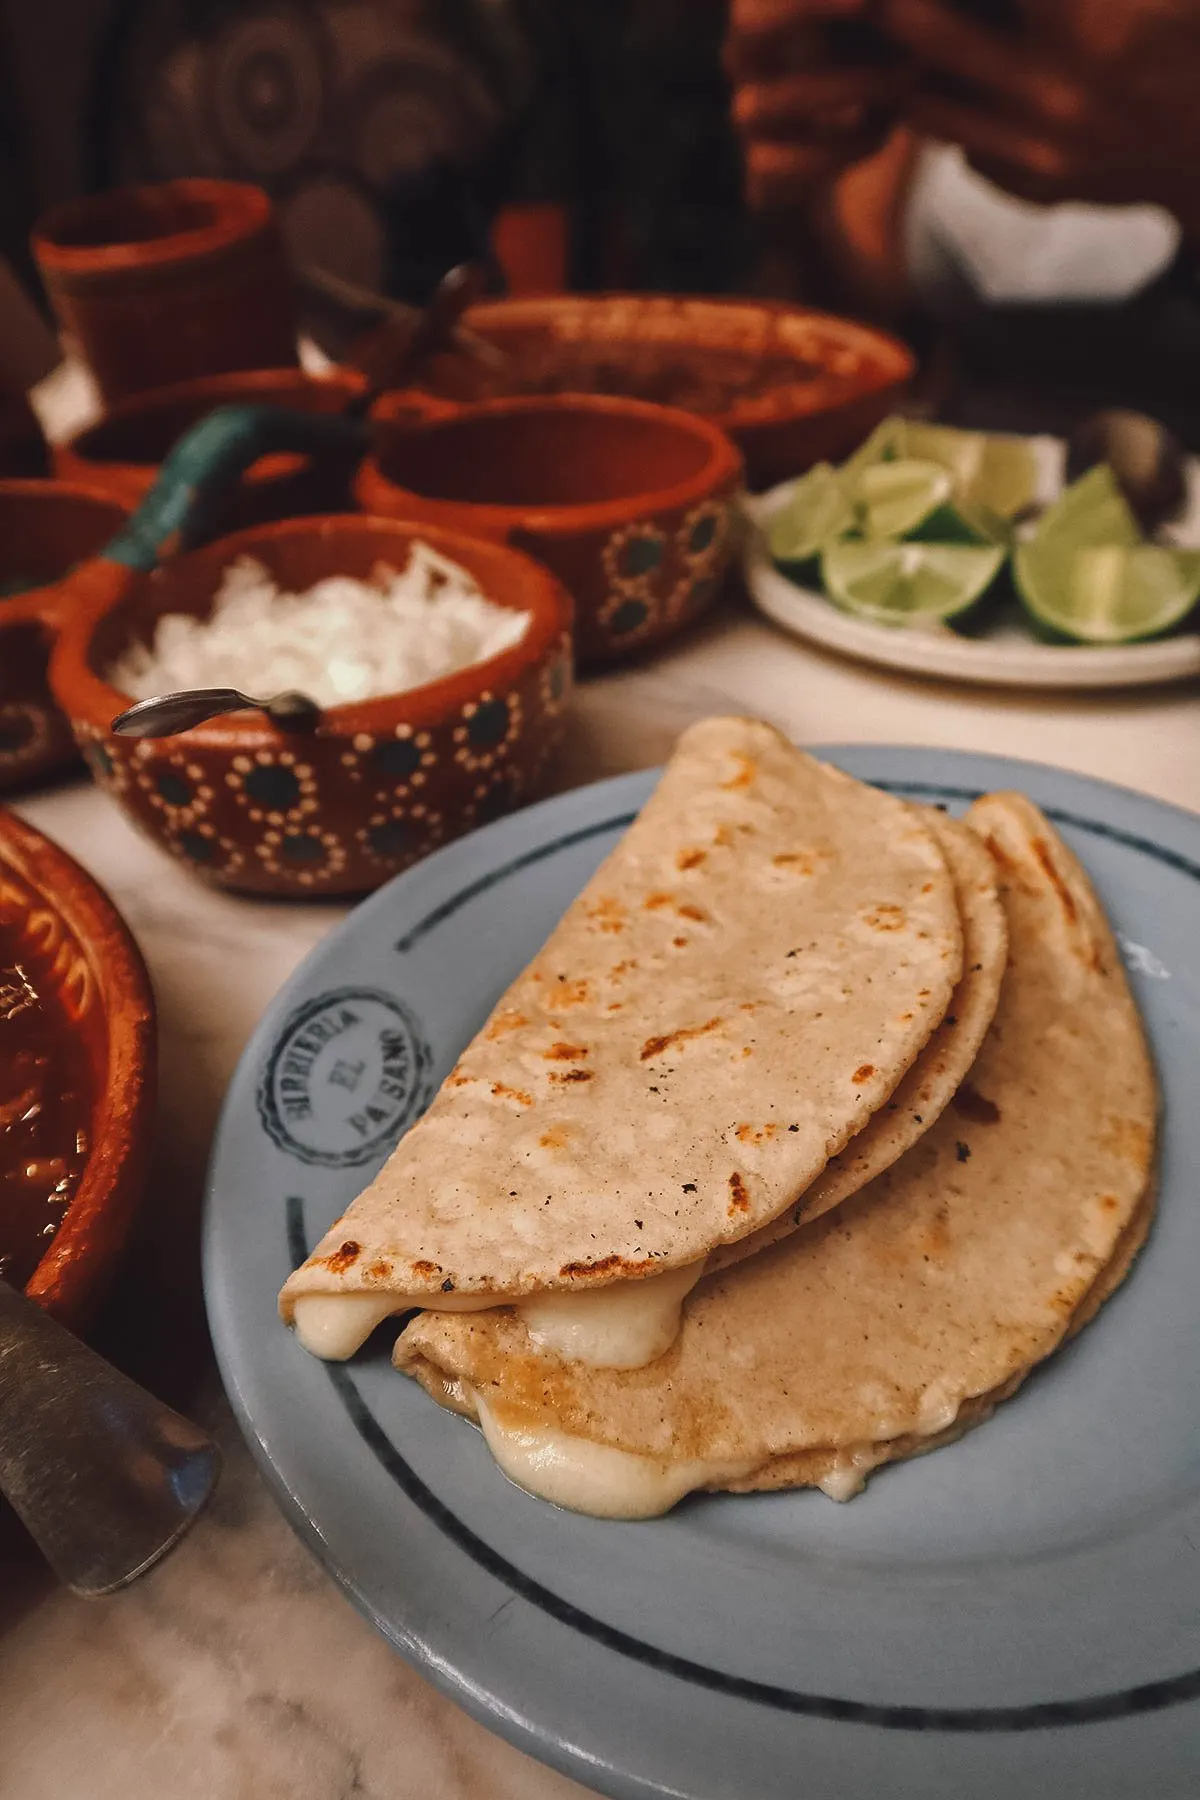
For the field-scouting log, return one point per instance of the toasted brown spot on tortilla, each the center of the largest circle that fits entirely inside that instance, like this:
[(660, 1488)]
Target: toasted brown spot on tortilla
[(555, 1138), (722, 837), (379, 1271), (607, 1265), (561, 1052), (756, 1134), (687, 911), (621, 968), (1066, 898), (656, 902), (606, 907), (1109, 1202), (571, 1074), (884, 917), (339, 1260), (928, 888), (679, 942), (975, 1106), (504, 1022), (690, 859), (501, 1091), (656, 1045), (426, 1268), (1127, 1138), (746, 770), (863, 1073), (802, 861), (568, 993), (739, 1198)]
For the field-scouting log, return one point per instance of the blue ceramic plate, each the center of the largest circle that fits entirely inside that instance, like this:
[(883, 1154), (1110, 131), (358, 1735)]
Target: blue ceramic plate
[(1016, 1616)]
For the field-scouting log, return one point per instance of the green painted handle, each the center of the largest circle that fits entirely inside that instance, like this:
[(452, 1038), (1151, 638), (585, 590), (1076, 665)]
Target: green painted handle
[(207, 462)]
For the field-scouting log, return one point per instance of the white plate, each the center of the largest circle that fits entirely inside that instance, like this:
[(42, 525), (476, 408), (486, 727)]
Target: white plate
[(1008, 656), (1013, 1618)]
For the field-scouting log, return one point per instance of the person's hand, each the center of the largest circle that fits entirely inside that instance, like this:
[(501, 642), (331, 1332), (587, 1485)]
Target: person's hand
[(1085, 100), (814, 90)]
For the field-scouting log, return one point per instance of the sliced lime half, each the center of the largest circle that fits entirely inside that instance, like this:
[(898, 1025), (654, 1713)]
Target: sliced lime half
[(816, 511), (1106, 593), (890, 499), (997, 473), (1091, 511), (909, 584)]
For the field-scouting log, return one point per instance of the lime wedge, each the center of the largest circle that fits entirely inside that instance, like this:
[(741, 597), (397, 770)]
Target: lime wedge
[(1091, 511), (961, 522), (1105, 593), (909, 584), (891, 499), (885, 443), (817, 510), (994, 472)]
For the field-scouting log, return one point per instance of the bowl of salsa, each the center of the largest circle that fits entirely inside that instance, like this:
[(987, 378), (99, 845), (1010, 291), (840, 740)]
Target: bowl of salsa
[(76, 1076), (789, 385)]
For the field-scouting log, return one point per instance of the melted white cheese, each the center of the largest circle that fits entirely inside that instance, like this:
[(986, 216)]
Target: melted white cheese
[(624, 1326), (586, 1477), (334, 1326)]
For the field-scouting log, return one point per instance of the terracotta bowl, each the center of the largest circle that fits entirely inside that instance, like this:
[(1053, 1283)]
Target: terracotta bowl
[(167, 281), (122, 453), (45, 527), (78, 942), (632, 506), (378, 784), (789, 385)]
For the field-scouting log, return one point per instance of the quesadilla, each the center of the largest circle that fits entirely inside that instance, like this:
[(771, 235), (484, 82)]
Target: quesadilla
[(903, 1317), (735, 993)]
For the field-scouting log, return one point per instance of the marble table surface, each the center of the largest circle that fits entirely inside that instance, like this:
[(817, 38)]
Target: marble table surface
[(236, 1670)]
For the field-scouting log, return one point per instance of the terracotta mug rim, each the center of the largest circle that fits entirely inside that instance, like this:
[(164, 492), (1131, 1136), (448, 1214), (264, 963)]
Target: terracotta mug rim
[(241, 209), (46, 604), (86, 697), (723, 463)]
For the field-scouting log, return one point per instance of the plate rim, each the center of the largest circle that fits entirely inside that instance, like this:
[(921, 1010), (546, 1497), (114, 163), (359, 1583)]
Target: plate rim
[(488, 1704)]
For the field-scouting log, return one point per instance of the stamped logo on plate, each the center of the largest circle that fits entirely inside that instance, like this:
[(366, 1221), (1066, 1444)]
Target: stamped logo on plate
[(348, 1072)]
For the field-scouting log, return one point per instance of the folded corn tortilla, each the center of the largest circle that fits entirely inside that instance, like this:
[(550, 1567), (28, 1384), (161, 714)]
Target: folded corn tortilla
[(738, 989), (903, 1316)]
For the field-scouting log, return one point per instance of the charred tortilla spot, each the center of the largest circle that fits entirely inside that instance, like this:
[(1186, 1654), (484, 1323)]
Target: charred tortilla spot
[(379, 1271), (426, 1269), (338, 1261), (863, 1073), (568, 993), (755, 1134), (679, 942), (739, 1198), (698, 913), (690, 859), (1066, 898), (555, 1138), (654, 1047), (884, 917), (561, 1052), (501, 1091), (743, 776), (607, 1265), (572, 1074), (656, 902), (975, 1106)]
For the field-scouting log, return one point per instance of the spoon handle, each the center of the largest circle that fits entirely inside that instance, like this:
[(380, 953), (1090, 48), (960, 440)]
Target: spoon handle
[(104, 1476), (166, 714)]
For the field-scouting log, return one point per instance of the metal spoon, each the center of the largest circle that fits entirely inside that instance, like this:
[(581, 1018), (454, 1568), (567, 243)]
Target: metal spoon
[(166, 714), (104, 1477)]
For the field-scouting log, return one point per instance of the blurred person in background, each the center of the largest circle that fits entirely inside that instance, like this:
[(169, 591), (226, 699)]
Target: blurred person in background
[(1017, 178)]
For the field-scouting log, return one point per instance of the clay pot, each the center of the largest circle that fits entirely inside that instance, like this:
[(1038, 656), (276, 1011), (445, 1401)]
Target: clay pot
[(123, 452), (378, 784), (632, 506), (790, 386), (45, 528), (77, 935), (165, 282)]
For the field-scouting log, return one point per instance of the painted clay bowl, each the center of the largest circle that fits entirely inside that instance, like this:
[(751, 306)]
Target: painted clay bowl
[(123, 452), (790, 386), (378, 784), (45, 528), (168, 281), (631, 505), (80, 955)]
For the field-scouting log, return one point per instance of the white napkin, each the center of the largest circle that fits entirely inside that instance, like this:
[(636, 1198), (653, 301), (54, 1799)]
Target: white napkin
[(1013, 251)]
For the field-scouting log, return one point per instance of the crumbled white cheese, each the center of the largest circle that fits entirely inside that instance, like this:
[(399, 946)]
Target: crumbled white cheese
[(341, 641)]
